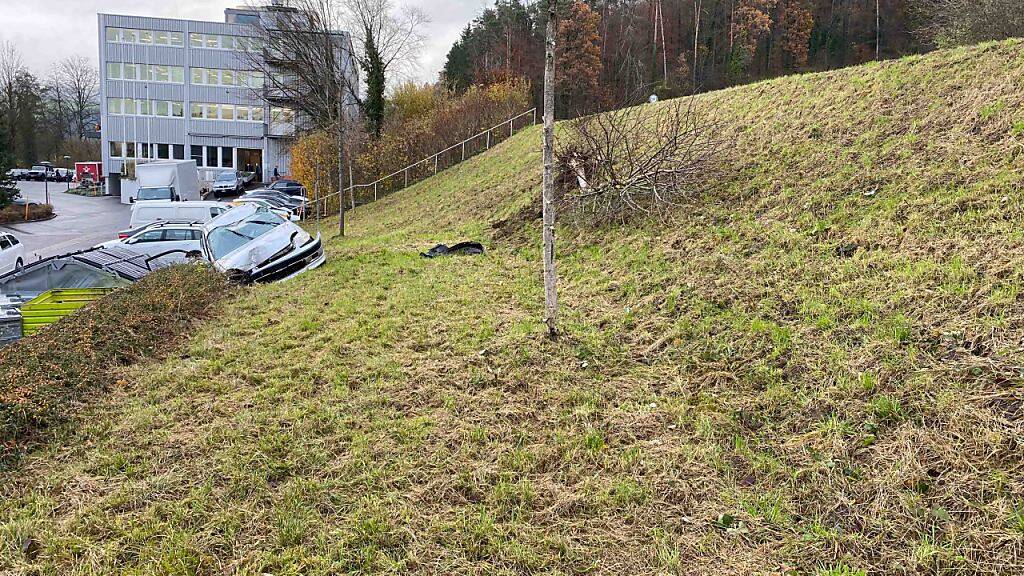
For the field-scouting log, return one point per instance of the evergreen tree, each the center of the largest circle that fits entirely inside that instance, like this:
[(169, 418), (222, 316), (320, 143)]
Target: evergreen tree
[(374, 104), (8, 190)]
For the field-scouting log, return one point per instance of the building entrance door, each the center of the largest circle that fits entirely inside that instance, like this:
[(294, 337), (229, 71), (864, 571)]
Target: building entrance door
[(251, 160)]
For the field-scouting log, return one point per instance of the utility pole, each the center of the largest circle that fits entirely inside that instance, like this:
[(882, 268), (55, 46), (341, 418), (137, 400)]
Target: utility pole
[(550, 273)]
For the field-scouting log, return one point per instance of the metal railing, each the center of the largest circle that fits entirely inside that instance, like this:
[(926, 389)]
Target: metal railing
[(441, 161)]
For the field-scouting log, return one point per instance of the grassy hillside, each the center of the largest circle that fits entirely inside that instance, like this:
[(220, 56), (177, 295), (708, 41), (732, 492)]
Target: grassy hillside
[(817, 369)]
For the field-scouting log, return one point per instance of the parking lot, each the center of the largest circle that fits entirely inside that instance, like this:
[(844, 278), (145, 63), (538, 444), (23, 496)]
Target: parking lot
[(81, 222)]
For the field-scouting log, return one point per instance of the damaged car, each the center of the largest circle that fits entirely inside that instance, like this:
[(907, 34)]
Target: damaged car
[(252, 244)]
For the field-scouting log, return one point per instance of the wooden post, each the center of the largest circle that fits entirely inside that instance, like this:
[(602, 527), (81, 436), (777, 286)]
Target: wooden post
[(374, 191), (436, 156), (406, 177), (550, 273), (463, 150)]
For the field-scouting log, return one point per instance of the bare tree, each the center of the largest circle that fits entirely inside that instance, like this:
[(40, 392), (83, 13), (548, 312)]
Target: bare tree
[(307, 66), (639, 159), (397, 32), (389, 42), (548, 193), (79, 81), (955, 22), (11, 66)]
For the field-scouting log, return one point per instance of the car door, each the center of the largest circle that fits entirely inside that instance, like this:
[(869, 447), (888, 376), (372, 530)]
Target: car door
[(7, 258), (184, 239), (149, 242), (17, 251)]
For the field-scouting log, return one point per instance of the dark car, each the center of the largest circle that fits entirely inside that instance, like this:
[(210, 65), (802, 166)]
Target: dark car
[(289, 187)]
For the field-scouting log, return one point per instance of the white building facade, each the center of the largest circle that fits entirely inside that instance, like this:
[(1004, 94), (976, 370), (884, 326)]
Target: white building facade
[(184, 89)]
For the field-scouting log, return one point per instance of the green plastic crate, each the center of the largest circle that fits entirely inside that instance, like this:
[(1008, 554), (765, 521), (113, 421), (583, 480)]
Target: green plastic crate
[(51, 306)]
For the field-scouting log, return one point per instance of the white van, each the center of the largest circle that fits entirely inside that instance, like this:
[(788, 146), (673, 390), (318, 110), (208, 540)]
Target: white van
[(145, 213)]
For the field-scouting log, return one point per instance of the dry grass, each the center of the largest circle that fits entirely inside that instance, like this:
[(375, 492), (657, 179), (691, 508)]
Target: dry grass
[(814, 370)]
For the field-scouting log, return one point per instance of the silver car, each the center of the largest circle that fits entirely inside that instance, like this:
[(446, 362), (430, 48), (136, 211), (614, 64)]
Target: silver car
[(252, 244)]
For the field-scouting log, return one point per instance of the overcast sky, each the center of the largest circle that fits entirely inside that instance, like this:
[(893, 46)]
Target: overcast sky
[(48, 30)]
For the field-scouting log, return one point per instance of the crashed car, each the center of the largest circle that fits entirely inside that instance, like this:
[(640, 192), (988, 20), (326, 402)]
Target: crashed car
[(251, 244)]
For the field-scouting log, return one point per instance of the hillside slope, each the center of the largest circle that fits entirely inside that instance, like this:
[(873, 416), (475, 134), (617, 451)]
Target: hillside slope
[(817, 369)]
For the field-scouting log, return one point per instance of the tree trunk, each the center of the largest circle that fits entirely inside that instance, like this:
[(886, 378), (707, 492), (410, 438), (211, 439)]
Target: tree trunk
[(340, 135), (878, 29), (550, 274), (696, 40)]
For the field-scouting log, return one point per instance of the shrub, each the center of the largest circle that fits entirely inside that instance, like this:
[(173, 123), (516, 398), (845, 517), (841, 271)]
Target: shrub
[(43, 375)]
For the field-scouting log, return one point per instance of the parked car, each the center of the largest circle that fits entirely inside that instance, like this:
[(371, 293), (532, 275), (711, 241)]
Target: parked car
[(171, 241), (226, 183), (251, 244), (296, 205), (40, 172), (12, 253), (289, 187), (145, 213), (18, 174), (271, 206)]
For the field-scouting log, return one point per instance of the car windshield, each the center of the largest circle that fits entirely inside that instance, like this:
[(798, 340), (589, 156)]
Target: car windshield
[(40, 168), (156, 193), (227, 239), (225, 177)]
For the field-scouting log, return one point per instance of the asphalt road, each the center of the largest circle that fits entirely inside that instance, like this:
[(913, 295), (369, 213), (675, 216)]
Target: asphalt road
[(80, 223)]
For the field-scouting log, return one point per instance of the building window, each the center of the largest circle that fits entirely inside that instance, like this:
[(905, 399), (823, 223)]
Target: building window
[(135, 107), (178, 151), (227, 157), (223, 42), (129, 151), (211, 156), (218, 77), (145, 72), (116, 149), (163, 151), (197, 155), (229, 112), (282, 116), (152, 37)]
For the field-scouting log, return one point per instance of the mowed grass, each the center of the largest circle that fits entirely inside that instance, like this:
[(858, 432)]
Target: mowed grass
[(816, 369)]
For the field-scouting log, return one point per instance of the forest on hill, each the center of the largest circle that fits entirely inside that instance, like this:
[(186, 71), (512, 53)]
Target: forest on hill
[(618, 51)]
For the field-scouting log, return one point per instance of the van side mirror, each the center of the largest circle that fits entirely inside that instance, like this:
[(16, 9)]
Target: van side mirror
[(131, 200)]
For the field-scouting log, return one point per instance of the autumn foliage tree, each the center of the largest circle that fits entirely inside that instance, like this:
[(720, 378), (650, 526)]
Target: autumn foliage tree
[(797, 24), (579, 55)]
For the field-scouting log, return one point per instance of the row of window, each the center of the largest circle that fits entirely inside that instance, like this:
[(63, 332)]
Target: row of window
[(204, 156), (214, 156), (155, 37), (199, 111), (224, 42), (217, 77), (140, 107), (231, 112), (177, 39), (146, 151), (176, 75), (145, 72)]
